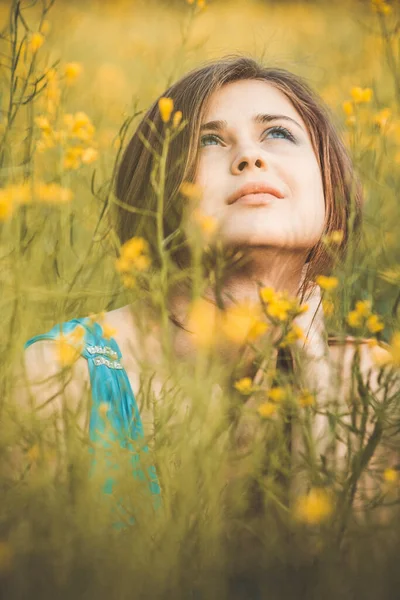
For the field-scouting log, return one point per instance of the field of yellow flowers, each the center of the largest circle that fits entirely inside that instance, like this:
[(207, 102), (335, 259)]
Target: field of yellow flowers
[(75, 80)]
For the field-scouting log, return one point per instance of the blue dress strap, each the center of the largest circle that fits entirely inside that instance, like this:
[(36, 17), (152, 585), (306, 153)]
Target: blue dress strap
[(112, 396)]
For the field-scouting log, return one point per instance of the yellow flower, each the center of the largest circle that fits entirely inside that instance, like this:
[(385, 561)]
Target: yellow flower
[(203, 322), (374, 324), (166, 106), (67, 352), (327, 283), (208, 225), (354, 319), (380, 6), (244, 385), (6, 557), (361, 95), (190, 190), (306, 398), (72, 71), (256, 330), (36, 41), (43, 123), (53, 193), (45, 28), (6, 206), (128, 281), (108, 331), (133, 255), (177, 118), (363, 307), (348, 108), (351, 121), (334, 237), (390, 475), (267, 410), (238, 321), (89, 155), (201, 3), (315, 507), (72, 158), (382, 117), (277, 394), (294, 334)]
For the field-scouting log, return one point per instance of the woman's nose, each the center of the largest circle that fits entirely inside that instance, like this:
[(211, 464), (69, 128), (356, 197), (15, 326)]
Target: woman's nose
[(251, 159)]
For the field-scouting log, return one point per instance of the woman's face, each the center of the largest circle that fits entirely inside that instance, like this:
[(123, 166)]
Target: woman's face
[(252, 136)]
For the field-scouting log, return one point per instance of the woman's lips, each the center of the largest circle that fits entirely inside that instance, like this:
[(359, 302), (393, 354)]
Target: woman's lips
[(257, 199)]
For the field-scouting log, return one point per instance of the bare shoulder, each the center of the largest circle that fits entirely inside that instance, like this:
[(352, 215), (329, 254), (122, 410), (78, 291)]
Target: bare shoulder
[(41, 381)]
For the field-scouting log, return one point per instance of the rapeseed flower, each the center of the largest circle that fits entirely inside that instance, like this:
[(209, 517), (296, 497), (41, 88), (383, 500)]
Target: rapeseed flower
[(133, 255), (306, 398), (207, 223), (108, 331), (203, 320), (294, 334), (36, 41), (177, 118), (390, 475), (327, 283), (244, 385), (277, 394), (315, 507), (362, 316), (241, 320), (361, 95), (89, 155), (165, 106), (191, 190), (67, 350), (267, 410), (72, 71), (381, 7), (382, 117)]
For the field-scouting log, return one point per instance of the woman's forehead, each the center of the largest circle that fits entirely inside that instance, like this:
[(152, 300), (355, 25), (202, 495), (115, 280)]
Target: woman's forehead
[(246, 98)]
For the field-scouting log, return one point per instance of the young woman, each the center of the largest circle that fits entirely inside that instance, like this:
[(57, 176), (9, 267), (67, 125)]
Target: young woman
[(275, 178)]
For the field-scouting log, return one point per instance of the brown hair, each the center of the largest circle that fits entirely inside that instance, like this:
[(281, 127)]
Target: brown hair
[(342, 189)]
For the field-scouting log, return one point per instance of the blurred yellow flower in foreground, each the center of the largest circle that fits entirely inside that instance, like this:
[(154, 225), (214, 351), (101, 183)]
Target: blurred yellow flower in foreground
[(36, 41), (241, 321), (348, 108), (72, 71), (294, 334), (381, 6), (279, 305), (315, 507), (108, 331), (207, 223), (277, 394), (382, 117), (362, 316), (327, 283), (361, 95), (67, 350), (203, 321), (390, 475), (334, 237), (390, 355), (190, 190), (267, 410), (165, 106), (89, 155), (306, 398), (177, 118), (244, 385), (133, 255)]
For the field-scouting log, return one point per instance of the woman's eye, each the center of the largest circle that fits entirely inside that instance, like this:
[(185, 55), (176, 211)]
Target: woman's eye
[(282, 132), (205, 139)]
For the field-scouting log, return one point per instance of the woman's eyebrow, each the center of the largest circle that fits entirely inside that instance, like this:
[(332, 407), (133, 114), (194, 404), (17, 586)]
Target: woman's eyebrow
[(262, 118)]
